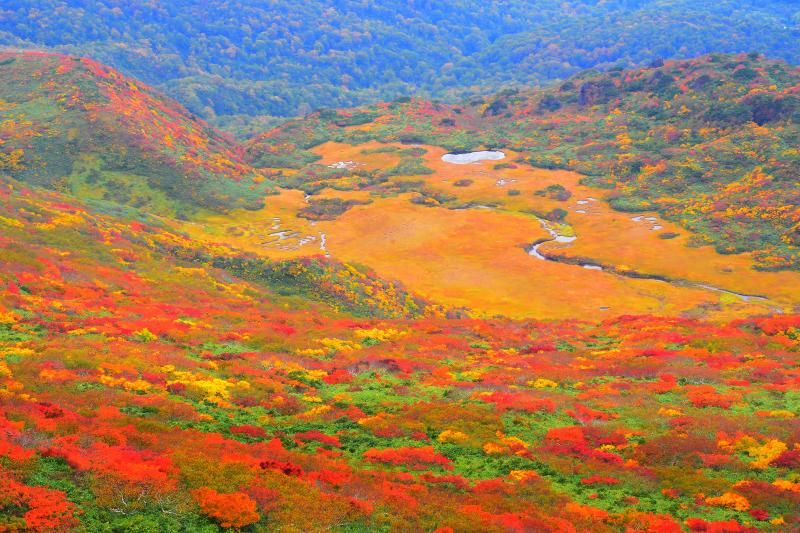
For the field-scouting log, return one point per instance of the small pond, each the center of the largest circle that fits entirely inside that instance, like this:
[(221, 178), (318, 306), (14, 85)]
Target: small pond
[(473, 157)]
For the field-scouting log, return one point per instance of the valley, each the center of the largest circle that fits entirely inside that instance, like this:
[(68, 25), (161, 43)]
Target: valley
[(472, 253), (564, 310)]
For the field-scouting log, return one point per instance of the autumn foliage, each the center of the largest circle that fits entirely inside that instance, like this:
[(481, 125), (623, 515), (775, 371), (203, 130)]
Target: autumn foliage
[(235, 510), (23, 507), (151, 381)]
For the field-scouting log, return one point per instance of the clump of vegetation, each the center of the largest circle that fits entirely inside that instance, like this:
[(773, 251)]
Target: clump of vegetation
[(556, 215), (430, 198), (410, 166), (327, 208), (630, 204), (398, 187), (386, 149), (555, 192)]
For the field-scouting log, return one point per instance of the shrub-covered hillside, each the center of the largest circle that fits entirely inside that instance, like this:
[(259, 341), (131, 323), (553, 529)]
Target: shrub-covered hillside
[(710, 142), (146, 384), (77, 126), (172, 362)]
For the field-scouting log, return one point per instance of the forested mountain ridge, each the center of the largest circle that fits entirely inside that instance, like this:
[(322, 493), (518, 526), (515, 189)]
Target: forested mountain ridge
[(287, 58)]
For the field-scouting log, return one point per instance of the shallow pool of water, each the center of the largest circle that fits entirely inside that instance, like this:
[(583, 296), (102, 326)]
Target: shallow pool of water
[(473, 157)]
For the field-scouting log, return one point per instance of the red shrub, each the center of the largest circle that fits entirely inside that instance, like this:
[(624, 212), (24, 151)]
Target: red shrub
[(290, 469), (338, 376), (599, 480), (40, 508), (729, 526), (451, 479), (250, 431), (788, 459), (176, 388), (416, 458), (318, 436)]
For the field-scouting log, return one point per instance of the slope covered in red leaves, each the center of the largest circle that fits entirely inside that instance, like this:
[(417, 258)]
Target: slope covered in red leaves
[(117, 359)]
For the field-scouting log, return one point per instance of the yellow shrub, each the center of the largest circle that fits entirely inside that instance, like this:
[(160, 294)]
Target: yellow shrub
[(731, 501), (316, 411), (781, 413), (8, 318), (311, 352), (137, 386), (523, 475), (542, 383), (312, 399), (145, 335), (11, 222), (382, 335), (339, 345), (471, 375), (491, 448), (765, 454), (785, 484), (455, 437), (514, 442)]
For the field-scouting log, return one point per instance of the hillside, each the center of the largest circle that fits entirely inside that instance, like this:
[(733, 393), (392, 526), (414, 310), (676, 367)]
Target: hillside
[(119, 355), (238, 59), (368, 186), (80, 127)]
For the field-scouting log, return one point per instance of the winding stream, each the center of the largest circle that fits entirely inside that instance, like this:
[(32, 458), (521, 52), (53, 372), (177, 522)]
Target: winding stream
[(554, 237), (536, 251), (323, 244)]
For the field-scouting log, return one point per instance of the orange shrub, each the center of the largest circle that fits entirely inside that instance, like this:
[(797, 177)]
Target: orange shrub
[(234, 510)]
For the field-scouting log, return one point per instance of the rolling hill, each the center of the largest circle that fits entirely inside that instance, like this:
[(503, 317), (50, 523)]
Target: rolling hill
[(80, 127)]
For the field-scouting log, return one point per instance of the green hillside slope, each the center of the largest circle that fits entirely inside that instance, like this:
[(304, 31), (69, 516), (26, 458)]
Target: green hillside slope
[(77, 126)]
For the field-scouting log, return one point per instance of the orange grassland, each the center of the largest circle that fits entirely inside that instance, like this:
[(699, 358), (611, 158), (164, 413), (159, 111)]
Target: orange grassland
[(476, 257)]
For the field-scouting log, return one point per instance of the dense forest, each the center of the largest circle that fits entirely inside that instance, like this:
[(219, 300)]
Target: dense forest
[(232, 60)]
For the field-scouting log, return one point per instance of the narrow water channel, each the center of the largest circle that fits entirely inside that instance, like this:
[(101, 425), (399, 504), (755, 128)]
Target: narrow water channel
[(536, 251)]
